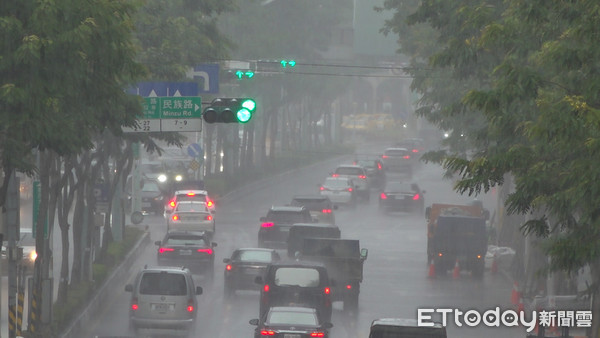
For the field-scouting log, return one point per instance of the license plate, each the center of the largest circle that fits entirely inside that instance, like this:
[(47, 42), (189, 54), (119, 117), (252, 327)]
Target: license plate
[(291, 335), (162, 307), (185, 252)]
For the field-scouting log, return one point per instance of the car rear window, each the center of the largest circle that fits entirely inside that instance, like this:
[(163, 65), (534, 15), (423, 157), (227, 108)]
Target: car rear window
[(296, 318), (293, 276), (366, 163), (163, 284), (254, 256), (336, 183), (349, 171), (191, 206), (186, 240), (287, 217), (190, 197), (312, 204), (395, 152)]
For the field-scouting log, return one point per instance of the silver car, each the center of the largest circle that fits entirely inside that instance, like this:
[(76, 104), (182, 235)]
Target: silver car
[(358, 175), (163, 301), (340, 190), (191, 216)]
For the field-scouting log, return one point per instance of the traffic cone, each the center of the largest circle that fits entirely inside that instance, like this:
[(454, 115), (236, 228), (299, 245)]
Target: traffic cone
[(456, 271), (494, 266), (515, 295), (431, 270)]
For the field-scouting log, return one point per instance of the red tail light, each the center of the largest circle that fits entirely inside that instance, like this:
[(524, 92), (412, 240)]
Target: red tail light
[(415, 150), (322, 188), (379, 166), (327, 211), (163, 250), (384, 156), (362, 176), (175, 217), (266, 288), (416, 197), (191, 194), (208, 218), (383, 196), (207, 251), (228, 267), (350, 189), (267, 224), (327, 291), (210, 203), (317, 334), (190, 306), (406, 157), (348, 286), (172, 203), (134, 304), (335, 175), (267, 333)]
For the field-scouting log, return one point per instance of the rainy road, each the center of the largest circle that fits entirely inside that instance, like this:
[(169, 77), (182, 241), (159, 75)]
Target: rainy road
[(395, 273)]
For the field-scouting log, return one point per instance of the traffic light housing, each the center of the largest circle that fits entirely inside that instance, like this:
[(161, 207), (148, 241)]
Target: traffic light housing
[(229, 110)]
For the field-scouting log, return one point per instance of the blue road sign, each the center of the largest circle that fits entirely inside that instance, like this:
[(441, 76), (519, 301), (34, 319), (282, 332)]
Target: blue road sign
[(161, 89), (194, 150), (208, 76)]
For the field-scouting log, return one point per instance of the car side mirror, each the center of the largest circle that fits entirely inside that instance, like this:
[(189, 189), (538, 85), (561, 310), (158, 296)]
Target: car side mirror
[(263, 219), (364, 252), (157, 243), (327, 325), (128, 288), (258, 280), (253, 322), (198, 290), (226, 260)]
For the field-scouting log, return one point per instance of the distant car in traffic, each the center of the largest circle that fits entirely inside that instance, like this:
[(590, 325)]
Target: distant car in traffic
[(189, 195), (274, 228), (191, 216), (163, 301), (152, 196), (296, 284), (244, 265), (191, 249), (401, 196), (398, 160), (339, 190), (291, 321), (358, 175), (375, 170), (319, 206)]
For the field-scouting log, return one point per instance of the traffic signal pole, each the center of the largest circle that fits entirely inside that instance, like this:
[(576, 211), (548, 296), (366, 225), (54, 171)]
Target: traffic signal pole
[(12, 230)]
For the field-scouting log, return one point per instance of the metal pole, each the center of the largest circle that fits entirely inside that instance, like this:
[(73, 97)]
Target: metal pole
[(12, 227)]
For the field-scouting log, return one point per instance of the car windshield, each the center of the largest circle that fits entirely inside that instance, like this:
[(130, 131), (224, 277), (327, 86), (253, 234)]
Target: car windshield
[(253, 256), (189, 206), (349, 171), (292, 317), (186, 240), (164, 284), (287, 217), (303, 277)]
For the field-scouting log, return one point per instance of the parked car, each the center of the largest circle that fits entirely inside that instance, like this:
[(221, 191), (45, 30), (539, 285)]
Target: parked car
[(244, 265), (163, 301), (292, 322)]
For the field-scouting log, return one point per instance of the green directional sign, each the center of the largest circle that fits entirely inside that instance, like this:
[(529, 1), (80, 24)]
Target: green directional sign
[(173, 107)]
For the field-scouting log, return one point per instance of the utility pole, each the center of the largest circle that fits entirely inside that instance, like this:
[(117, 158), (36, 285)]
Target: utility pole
[(13, 232)]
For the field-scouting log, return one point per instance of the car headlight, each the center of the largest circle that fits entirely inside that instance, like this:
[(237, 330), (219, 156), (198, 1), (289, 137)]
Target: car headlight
[(32, 256), (178, 178), (162, 178)]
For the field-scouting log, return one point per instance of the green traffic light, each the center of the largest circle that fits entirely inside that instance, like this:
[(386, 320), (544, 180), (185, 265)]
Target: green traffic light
[(292, 63), (249, 104), (244, 115)]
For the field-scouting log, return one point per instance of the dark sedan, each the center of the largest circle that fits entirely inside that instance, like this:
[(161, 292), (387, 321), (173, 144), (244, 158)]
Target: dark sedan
[(243, 267), (289, 321), (400, 196), (191, 249)]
